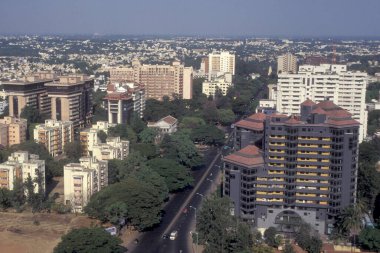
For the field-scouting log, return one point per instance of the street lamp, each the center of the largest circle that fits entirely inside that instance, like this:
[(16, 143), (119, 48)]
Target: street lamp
[(195, 213)]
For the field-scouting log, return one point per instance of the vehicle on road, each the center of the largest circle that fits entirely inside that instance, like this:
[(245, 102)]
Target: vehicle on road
[(173, 235), (164, 236)]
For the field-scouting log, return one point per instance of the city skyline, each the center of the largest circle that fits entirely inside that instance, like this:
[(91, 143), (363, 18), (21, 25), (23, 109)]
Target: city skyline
[(200, 18)]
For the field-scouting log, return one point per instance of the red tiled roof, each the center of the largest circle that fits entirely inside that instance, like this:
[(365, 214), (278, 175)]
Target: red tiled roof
[(250, 125), (248, 156), (110, 87), (339, 113), (327, 104), (308, 102), (343, 122), (277, 115), (169, 119), (117, 96), (292, 121), (318, 110), (258, 116)]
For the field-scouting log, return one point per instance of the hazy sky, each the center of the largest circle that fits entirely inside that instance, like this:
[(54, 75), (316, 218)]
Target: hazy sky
[(192, 17)]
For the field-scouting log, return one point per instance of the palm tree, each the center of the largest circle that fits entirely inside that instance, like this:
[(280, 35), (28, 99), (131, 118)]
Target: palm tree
[(350, 220)]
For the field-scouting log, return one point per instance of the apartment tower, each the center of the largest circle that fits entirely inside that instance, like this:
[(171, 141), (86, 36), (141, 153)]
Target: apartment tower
[(287, 63)]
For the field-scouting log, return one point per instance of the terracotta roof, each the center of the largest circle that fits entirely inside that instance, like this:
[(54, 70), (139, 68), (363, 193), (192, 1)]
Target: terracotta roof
[(169, 119), (277, 115), (339, 114), (318, 110), (327, 104), (117, 96), (253, 122), (308, 102), (292, 121), (248, 156), (110, 87), (258, 116), (342, 122)]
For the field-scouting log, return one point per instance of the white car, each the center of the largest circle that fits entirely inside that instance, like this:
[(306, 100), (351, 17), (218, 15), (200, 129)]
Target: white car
[(173, 235)]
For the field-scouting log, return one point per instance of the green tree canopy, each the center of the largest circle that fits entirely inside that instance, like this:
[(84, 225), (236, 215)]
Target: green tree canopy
[(191, 122), (102, 136), (148, 135), (124, 131), (32, 115), (369, 238), (176, 176), (85, 240), (73, 150), (226, 117), (208, 134)]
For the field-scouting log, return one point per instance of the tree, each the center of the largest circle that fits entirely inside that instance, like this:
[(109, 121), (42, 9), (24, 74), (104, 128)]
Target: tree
[(73, 150), (116, 212), (102, 136), (180, 148), (95, 240), (176, 176), (308, 239), (148, 135), (143, 201), (191, 122), (17, 194), (226, 116), (137, 124), (271, 238), (114, 168), (222, 231), (124, 131), (350, 220), (288, 248), (32, 115), (147, 150), (369, 238), (262, 248), (208, 134), (134, 162), (5, 198)]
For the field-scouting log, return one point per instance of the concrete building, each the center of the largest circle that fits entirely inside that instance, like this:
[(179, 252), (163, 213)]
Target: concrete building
[(21, 165), (89, 137), (71, 99), (220, 63), (159, 80), (307, 170), (249, 131), (287, 63), (318, 83), (221, 83), (12, 131), (123, 100), (29, 91), (54, 135), (114, 148), (166, 125), (83, 179)]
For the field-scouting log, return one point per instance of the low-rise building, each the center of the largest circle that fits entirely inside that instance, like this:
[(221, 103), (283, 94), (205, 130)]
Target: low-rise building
[(114, 148), (21, 165), (54, 135), (221, 83), (166, 125), (89, 137), (12, 131), (83, 179)]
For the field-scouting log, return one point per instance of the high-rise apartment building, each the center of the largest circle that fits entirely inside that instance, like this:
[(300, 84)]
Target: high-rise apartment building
[(29, 91), (287, 63), (221, 83), (158, 80), (71, 99), (114, 148), (220, 63), (54, 135), (123, 100), (318, 83), (21, 165), (307, 170), (249, 131), (83, 179), (12, 131)]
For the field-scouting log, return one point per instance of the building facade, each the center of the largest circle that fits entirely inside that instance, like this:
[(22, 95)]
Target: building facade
[(83, 179), (89, 137), (12, 131), (318, 83), (249, 131), (220, 63), (54, 135), (166, 125), (21, 165), (158, 80), (71, 99), (114, 148), (123, 100), (29, 91), (287, 63), (221, 83), (307, 171)]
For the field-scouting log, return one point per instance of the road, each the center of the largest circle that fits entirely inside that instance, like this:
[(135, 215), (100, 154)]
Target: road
[(174, 218)]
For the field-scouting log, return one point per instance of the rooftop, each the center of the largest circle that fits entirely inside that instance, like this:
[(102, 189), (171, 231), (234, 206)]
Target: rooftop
[(249, 156)]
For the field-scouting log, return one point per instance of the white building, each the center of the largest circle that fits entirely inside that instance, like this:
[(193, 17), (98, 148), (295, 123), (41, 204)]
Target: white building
[(166, 125), (54, 135), (89, 137), (83, 179), (345, 88), (22, 165), (287, 63), (221, 83), (114, 148), (220, 63)]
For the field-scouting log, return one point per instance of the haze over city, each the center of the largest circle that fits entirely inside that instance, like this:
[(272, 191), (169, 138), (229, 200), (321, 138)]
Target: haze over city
[(197, 17)]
